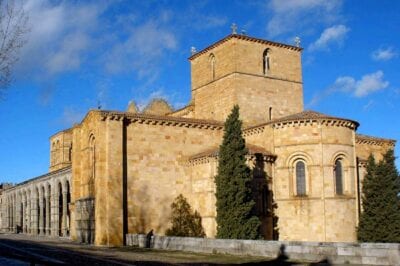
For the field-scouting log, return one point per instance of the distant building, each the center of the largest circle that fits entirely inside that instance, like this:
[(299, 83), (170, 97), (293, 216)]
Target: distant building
[(118, 172)]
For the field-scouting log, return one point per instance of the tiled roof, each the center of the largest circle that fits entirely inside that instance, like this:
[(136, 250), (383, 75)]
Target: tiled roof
[(164, 119), (307, 115), (56, 172), (247, 38), (360, 138), (252, 149)]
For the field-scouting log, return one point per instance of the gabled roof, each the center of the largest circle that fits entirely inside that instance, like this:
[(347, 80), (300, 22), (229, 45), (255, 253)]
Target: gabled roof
[(246, 38), (214, 152)]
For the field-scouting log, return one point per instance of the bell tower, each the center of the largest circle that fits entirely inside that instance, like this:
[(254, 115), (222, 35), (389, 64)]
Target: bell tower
[(264, 78)]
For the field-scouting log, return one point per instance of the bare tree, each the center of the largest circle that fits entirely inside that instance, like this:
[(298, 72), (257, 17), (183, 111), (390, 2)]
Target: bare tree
[(13, 27)]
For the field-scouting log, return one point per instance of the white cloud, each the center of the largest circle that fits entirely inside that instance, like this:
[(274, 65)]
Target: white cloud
[(290, 15), (69, 55), (142, 50), (332, 35), (369, 105), (368, 84), (59, 36), (384, 54)]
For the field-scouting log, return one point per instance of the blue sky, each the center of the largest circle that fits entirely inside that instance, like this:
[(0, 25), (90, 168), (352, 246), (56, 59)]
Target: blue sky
[(79, 53)]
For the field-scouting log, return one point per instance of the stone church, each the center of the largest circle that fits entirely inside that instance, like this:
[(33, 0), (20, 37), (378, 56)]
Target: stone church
[(117, 172)]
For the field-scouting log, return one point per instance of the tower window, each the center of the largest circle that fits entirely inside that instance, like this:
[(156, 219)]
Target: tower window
[(212, 66), (266, 61), (270, 113), (300, 178), (339, 177)]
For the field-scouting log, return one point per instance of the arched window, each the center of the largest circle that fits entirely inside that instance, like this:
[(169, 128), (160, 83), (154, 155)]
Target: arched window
[(58, 152), (92, 164), (339, 177), (212, 66), (270, 113), (300, 178), (266, 61)]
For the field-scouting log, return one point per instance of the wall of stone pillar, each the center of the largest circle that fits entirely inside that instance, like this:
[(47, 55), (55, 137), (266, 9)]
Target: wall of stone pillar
[(23, 205)]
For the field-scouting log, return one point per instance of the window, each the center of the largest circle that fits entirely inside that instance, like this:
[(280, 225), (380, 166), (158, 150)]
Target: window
[(92, 165), (270, 113), (300, 178), (212, 65), (266, 61), (339, 177)]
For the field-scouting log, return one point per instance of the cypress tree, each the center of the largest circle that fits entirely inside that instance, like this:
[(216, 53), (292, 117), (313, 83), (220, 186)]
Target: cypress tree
[(380, 218), (236, 218)]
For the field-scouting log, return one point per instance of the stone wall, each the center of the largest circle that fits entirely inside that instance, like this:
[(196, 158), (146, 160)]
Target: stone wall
[(40, 205), (336, 253), (158, 171), (60, 150), (366, 145), (85, 222), (239, 79)]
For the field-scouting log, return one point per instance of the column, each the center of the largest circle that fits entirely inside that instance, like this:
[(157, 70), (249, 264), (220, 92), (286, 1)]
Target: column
[(48, 229), (41, 209), (28, 213), (17, 222), (8, 215), (24, 213), (14, 210), (64, 214), (54, 213), (34, 212)]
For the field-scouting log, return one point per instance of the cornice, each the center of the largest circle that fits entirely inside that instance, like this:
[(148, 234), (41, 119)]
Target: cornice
[(59, 172), (213, 154), (162, 120), (370, 140), (246, 38), (306, 118), (321, 121)]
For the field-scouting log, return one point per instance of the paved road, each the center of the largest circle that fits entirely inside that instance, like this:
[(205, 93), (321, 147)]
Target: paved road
[(29, 250), (19, 249)]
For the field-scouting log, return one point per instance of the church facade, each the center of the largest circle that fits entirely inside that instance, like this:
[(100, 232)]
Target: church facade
[(118, 172)]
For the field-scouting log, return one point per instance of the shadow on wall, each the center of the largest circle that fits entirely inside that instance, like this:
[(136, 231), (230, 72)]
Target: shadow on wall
[(265, 206), (143, 215)]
